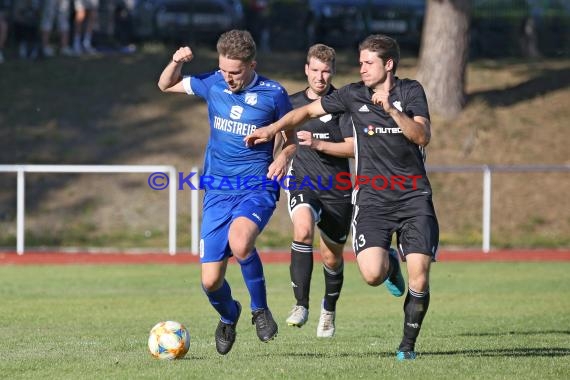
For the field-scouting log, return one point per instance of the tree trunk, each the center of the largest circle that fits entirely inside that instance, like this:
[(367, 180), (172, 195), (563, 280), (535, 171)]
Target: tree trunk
[(444, 54)]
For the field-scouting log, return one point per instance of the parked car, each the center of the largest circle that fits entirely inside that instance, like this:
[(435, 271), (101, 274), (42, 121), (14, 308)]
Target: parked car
[(344, 23), (335, 22), (184, 20), (400, 19)]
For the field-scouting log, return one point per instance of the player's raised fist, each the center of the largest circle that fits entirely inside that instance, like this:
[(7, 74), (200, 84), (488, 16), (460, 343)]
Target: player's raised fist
[(182, 55)]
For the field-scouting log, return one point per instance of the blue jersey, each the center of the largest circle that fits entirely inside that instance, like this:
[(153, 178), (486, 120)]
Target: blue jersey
[(229, 166)]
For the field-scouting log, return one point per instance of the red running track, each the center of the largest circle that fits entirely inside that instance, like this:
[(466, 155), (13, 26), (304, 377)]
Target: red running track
[(56, 258)]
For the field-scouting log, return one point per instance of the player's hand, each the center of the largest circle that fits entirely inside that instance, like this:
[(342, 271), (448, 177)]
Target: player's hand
[(259, 136), (278, 168), (183, 55), (306, 138), (380, 96)]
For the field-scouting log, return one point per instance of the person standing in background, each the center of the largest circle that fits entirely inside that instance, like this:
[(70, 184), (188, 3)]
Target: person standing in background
[(85, 20), (4, 11), (59, 11)]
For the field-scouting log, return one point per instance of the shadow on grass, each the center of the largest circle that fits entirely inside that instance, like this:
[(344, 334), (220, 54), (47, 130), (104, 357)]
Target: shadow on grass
[(547, 81), (506, 352), (563, 332), (324, 355)]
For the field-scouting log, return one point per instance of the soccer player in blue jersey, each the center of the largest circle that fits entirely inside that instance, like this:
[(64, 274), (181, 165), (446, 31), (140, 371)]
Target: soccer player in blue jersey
[(239, 194)]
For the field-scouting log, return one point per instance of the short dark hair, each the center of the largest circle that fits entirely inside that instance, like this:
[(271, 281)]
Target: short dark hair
[(385, 47), (237, 44), (323, 53)]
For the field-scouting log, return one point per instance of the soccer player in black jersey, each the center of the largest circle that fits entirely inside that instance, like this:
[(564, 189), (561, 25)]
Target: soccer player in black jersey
[(392, 193), (324, 147)]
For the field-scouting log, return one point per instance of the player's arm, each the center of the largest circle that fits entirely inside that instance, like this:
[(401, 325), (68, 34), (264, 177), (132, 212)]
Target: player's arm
[(280, 165), (343, 149), (287, 123), (416, 129), (289, 145), (171, 77)]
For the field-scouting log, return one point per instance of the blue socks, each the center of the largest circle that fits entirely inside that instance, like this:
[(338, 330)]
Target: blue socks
[(252, 272), (221, 299)]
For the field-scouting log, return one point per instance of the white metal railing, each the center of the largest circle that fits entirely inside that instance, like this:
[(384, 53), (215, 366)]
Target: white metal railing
[(487, 171), (22, 169)]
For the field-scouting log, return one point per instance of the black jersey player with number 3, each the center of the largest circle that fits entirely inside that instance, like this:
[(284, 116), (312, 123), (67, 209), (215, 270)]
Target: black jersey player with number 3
[(392, 194)]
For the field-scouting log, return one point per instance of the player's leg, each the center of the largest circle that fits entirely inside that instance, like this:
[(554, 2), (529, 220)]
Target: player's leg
[(214, 254), (218, 290), (242, 235), (372, 236), (333, 270), (418, 241), (301, 267), (219, 294), (416, 303), (374, 265), (248, 220), (334, 227)]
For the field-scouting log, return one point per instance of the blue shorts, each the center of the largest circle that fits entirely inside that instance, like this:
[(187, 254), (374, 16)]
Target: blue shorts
[(220, 210)]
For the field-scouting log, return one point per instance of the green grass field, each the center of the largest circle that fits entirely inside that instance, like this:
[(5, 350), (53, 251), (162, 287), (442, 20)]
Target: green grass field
[(486, 320)]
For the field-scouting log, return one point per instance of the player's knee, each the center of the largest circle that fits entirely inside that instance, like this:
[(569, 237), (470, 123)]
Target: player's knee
[(332, 262), (241, 254), (373, 279), (376, 281), (418, 283), (241, 248), (211, 284), (374, 273), (303, 234)]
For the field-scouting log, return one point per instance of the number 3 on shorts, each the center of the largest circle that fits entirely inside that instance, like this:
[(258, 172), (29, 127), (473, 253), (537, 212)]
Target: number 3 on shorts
[(360, 241)]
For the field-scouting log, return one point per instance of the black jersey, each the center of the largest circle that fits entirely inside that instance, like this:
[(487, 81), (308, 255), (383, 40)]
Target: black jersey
[(322, 169), (391, 167)]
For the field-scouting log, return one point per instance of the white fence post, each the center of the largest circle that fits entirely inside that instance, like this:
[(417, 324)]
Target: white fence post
[(486, 209), (173, 188), (20, 205)]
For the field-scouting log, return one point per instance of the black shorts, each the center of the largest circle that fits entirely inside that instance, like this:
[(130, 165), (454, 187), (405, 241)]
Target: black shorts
[(371, 227), (332, 218)]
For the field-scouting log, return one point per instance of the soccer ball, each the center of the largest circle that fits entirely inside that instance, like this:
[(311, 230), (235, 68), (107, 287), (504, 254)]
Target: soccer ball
[(169, 340)]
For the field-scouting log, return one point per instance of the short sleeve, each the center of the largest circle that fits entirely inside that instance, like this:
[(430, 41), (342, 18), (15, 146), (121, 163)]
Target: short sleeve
[(415, 101), (345, 124), (334, 102), (200, 84), (282, 104)]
